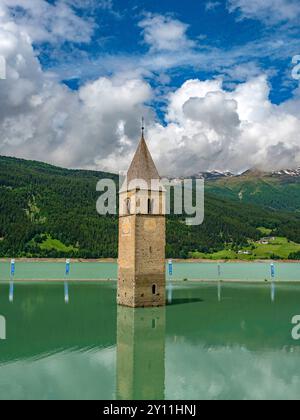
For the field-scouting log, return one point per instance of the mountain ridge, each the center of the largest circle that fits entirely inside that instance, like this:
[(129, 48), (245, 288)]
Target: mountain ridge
[(276, 190), (50, 212), (216, 174)]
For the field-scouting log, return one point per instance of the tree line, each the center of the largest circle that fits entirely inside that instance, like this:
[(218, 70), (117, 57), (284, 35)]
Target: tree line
[(39, 201)]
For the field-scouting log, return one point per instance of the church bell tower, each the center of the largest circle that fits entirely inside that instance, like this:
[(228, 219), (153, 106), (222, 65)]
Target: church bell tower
[(141, 279)]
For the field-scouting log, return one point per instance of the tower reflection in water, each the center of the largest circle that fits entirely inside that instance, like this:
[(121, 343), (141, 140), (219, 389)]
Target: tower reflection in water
[(141, 353)]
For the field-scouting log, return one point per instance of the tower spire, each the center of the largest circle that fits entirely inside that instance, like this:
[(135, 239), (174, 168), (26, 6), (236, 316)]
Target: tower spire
[(142, 165)]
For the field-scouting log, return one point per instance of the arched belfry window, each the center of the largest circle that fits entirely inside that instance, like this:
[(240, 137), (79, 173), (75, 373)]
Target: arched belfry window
[(128, 204), (150, 206)]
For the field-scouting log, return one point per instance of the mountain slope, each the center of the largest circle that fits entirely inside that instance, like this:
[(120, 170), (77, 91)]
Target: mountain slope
[(47, 211), (280, 190)]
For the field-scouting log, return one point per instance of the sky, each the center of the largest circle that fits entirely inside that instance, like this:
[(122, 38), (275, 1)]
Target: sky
[(216, 80)]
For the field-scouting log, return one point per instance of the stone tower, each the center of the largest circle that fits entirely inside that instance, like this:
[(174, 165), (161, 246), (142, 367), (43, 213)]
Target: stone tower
[(141, 279)]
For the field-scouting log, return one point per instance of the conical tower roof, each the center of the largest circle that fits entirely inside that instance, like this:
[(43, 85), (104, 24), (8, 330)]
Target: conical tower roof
[(142, 165)]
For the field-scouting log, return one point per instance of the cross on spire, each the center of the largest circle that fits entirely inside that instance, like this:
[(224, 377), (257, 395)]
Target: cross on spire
[(143, 126)]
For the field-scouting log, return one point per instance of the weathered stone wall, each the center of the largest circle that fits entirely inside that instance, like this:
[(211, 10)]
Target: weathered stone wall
[(126, 277), (150, 260), (141, 261)]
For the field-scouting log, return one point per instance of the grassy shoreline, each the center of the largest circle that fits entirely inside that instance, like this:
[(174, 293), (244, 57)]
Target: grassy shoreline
[(266, 282)]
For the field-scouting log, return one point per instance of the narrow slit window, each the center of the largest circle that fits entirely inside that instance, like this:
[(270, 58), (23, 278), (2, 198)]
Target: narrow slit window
[(154, 289)]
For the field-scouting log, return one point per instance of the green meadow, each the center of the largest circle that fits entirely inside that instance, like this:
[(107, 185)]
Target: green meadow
[(51, 243), (279, 248)]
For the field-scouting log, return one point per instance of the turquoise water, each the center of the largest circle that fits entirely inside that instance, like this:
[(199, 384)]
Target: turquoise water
[(212, 341), (192, 271), (56, 271)]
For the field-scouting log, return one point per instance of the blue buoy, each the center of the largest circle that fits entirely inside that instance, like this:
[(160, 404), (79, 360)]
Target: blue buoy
[(12, 268), (170, 266), (66, 285), (273, 271), (219, 271)]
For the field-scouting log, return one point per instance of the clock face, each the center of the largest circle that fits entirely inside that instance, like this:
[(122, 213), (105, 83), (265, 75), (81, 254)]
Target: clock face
[(126, 227), (150, 225)]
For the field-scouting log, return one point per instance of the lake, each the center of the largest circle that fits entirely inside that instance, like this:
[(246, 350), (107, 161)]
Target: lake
[(212, 341), (192, 271)]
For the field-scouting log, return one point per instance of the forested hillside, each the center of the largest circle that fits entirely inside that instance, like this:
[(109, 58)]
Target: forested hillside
[(47, 211), (278, 191)]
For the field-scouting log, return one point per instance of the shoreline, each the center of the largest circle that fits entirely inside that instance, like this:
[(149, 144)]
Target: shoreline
[(173, 281), (175, 260)]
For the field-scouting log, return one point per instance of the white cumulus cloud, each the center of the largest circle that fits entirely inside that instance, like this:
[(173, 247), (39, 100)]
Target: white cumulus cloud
[(43, 119), (206, 126), (211, 128), (47, 22), (163, 33), (268, 11)]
